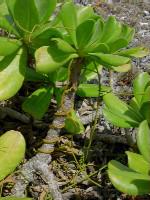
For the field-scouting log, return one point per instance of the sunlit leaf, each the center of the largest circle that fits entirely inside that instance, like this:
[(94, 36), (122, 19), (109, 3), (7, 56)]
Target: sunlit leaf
[(127, 180), (119, 108), (113, 60), (84, 33), (73, 124), (111, 31), (140, 83), (26, 18), (137, 52), (7, 26), (123, 68), (137, 163), (69, 20), (92, 90), (12, 150), (12, 72), (143, 140), (84, 13), (8, 46), (50, 59)]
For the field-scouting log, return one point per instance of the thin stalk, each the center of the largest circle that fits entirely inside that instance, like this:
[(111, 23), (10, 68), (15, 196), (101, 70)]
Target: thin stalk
[(92, 132)]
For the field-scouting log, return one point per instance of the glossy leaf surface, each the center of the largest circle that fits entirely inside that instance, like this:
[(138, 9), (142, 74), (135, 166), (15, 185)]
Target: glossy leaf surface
[(137, 163), (7, 26), (12, 145), (8, 46), (113, 60), (26, 18), (118, 107), (37, 103), (84, 13), (137, 52), (12, 72), (127, 180), (84, 33), (69, 20), (143, 140), (73, 124), (112, 30), (49, 59), (145, 104), (36, 12), (140, 83), (119, 119), (92, 90)]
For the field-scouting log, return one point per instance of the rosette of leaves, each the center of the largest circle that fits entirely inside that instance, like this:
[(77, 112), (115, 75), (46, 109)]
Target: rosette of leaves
[(27, 27), (87, 36), (134, 179), (129, 115)]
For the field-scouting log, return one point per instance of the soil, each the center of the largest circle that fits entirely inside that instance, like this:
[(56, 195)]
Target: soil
[(79, 179)]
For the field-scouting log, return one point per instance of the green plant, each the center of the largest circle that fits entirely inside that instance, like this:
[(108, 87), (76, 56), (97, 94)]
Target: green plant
[(86, 44), (123, 115), (26, 29), (134, 179), (12, 151)]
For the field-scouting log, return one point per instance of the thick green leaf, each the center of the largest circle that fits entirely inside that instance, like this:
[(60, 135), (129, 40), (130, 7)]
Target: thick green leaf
[(134, 104), (69, 20), (92, 90), (25, 19), (12, 72), (3, 8), (111, 31), (123, 68), (137, 163), (8, 46), (145, 104), (97, 47), (140, 83), (58, 92), (42, 36), (50, 59), (143, 140), (6, 25), (37, 103), (118, 44), (95, 39), (12, 150), (137, 52), (32, 75), (113, 60), (84, 13), (64, 46), (45, 9), (127, 180), (119, 120), (84, 33), (119, 108), (127, 32), (73, 124)]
